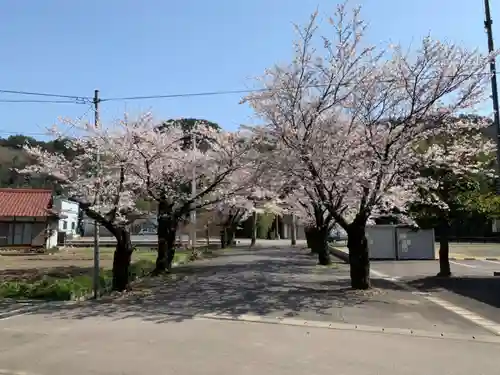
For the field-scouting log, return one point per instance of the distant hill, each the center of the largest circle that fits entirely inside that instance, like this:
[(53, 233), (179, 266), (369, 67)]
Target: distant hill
[(13, 157)]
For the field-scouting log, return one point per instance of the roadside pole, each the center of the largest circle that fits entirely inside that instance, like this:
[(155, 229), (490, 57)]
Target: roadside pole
[(193, 194), (294, 230), (96, 224), (494, 96)]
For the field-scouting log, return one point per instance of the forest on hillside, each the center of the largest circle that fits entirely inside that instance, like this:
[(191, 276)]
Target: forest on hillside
[(13, 157)]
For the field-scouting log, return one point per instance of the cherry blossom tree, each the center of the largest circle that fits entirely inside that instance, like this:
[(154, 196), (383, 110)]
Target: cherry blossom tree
[(235, 210), (450, 166), (347, 117), (105, 190), (294, 197), (229, 214), (165, 169), (316, 218)]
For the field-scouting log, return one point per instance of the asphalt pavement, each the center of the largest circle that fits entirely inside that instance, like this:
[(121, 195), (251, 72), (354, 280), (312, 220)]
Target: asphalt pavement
[(267, 311), (473, 288), (106, 346), (202, 240), (425, 268)]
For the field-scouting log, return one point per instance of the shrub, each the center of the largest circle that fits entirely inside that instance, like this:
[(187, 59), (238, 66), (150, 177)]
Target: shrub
[(63, 289), (140, 269)]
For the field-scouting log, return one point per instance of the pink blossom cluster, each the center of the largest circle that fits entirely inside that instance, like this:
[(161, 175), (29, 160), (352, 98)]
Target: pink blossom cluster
[(348, 121)]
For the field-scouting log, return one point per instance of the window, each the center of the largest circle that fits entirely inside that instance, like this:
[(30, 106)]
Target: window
[(73, 225), (65, 224)]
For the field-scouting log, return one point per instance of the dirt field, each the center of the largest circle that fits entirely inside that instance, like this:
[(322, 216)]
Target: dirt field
[(71, 262)]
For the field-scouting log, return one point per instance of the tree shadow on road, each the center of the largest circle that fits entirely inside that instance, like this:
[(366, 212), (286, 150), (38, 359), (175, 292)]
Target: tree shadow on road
[(485, 289), (273, 283)]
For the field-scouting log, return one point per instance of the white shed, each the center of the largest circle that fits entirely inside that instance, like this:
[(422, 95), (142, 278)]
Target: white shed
[(400, 242)]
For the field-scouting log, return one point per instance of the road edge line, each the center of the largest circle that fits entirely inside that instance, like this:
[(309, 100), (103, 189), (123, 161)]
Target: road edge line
[(457, 310), (343, 326)]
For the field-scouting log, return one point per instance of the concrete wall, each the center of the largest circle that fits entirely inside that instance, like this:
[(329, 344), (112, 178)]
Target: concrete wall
[(52, 234), (39, 232), (69, 223), (286, 229), (88, 229)]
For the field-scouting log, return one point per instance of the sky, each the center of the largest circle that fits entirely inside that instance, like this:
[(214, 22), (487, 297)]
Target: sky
[(130, 48)]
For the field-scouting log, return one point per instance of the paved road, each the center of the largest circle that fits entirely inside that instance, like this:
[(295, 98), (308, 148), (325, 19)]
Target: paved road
[(277, 283), (458, 250), (431, 267), (103, 346), (210, 321), (473, 286), (465, 249), (215, 240)]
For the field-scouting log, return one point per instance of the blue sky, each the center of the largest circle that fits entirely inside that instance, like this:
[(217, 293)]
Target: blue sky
[(131, 48)]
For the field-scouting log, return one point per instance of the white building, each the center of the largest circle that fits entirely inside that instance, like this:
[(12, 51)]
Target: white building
[(69, 212)]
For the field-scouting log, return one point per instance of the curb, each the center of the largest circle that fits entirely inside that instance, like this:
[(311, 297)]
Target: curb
[(473, 258), (39, 305), (343, 256), (341, 326)]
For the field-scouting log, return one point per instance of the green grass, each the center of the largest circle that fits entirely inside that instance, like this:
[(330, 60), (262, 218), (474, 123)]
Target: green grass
[(106, 253), (58, 283)]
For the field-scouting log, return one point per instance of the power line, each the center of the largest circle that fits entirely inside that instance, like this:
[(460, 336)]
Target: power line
[(63, 134), (19, 133), (76, 97), (39, 101), (87, 100), (229, 92), (78, 120), (166, 96)]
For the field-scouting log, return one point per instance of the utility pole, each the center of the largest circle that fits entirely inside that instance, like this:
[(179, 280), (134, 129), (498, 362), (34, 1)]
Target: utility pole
[(494, 87), (254, 226), (193, 195), (96, 224), (277, 228)]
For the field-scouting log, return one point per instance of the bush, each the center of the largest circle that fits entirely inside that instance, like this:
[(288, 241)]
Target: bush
[(140, 269), (71, 288)]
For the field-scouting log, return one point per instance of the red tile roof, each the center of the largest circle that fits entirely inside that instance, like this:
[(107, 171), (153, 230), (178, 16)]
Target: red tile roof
[(25, 202)]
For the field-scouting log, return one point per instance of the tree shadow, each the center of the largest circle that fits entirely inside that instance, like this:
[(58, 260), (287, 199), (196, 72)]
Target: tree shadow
[(485, 289), (273, 283)]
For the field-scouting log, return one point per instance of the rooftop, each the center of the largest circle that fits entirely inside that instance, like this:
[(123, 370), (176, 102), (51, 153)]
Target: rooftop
[(25, 202)]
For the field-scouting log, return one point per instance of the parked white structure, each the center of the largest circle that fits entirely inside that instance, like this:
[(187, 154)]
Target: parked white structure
[(69, 212), (400, 242)]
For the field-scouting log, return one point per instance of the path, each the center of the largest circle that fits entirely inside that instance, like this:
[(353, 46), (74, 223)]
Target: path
[(473, 286), (203, 324), (276, 283), (101, 346)]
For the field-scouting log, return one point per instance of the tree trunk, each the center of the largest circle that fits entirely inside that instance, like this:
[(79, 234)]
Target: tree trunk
[(319, 241), (444, 250), (166, 245), (359, 258), (223, 238), (294, 231), (230, 237), (308, 233), (254, 229), (121, 260)]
